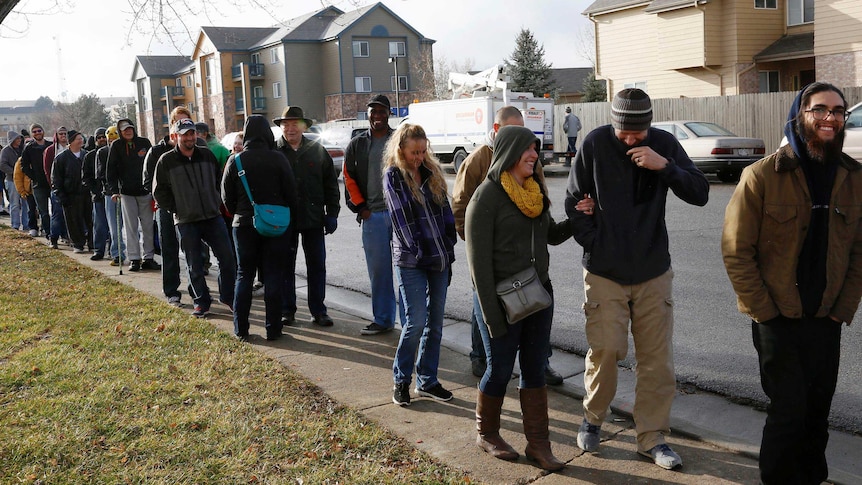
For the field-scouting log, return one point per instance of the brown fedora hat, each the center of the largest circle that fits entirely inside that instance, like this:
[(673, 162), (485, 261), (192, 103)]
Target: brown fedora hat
[(293, 113)]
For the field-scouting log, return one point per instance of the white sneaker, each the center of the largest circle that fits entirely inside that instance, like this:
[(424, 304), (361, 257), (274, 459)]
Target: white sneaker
[(257, 289), (33, 232), (175, 301)]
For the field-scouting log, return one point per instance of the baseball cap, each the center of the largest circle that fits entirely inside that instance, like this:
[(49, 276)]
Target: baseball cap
[(184, 125)]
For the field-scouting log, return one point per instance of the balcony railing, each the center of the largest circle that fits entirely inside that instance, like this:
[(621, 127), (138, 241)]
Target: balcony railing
[(254, 70), (175, 91), (257, 105)]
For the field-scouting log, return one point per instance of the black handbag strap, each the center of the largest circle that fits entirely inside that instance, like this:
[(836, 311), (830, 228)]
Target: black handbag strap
[(532, 243)]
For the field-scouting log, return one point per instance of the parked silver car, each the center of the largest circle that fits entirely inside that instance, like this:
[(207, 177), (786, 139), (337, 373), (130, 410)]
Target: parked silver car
[(713, 148)]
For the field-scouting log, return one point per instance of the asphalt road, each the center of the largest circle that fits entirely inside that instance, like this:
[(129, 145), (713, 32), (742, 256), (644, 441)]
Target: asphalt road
[(713, 349)]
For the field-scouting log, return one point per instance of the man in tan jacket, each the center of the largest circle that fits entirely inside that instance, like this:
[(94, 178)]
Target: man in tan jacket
[(470, 175), (792, 246)]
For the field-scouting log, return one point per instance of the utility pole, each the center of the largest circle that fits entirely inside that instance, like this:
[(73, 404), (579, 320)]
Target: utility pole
[(61, 80), (397, 103)]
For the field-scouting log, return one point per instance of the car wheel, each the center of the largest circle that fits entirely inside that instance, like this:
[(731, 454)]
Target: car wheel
[(729, 176), (458, 158)]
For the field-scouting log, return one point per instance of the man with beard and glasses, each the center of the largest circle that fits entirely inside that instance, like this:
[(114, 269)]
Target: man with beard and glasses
[(792, 246), (627, 168)]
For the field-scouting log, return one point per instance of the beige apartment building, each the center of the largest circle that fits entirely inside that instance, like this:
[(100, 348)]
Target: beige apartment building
[(695, 48), (328, 61)]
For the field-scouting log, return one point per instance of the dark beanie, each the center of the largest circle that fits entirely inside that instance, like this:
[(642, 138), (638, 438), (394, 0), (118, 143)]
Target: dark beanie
[(631, 110), (100, 131), (72, 134)]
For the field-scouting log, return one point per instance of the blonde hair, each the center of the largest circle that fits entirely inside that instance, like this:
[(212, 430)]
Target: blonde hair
[(176, 111), (394, 157)]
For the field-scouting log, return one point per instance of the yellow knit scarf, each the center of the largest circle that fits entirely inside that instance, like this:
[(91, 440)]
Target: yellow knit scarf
[(528, 198)]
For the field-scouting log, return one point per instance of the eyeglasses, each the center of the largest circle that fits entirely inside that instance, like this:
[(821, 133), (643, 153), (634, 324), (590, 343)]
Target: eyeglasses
[(62, 133), (823, 113), (36, 131), (101, 136)]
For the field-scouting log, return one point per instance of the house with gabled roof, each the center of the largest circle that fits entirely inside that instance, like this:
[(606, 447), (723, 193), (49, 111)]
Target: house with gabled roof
[(161, 83), (329, 62), (694, 48)]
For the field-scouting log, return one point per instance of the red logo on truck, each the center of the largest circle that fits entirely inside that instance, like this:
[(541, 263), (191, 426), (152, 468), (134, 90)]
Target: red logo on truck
[(479, 116)]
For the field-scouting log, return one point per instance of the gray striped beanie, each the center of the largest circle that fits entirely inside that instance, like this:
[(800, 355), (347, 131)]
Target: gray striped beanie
[(631, 110)]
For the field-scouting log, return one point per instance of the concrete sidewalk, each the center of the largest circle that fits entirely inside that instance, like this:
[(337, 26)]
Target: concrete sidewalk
[(717, 440)]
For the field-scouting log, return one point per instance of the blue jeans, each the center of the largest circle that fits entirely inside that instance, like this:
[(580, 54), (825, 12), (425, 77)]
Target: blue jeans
[(100, 227), (213, 232), (32, 213), (424, 295), (529, 340), (42, 194), (377, 243), (170, 253), (17, 206), (58, 220), (115, 227), (256, 253), (477, 348), (314, 247)]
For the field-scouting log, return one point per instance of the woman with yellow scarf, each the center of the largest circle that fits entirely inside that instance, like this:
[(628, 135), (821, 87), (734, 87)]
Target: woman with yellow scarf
[(508, 228)]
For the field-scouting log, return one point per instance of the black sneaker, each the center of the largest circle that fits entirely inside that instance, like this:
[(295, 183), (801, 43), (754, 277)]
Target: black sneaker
[(288, 319), (97, 257), (437, 392), (135, 265), (374, 329), (151, 265), (401, 394), (322, 320)]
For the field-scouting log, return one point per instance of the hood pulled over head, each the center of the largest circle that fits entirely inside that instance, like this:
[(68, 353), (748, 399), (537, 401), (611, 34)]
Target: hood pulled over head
[(510, 143), (257, 133)]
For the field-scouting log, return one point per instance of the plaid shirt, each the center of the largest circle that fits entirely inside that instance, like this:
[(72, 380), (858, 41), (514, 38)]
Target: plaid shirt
[(423, 236)]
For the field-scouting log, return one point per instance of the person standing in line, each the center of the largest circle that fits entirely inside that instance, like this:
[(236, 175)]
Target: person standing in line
[(58, 219), (423, 250), (270, 180), (316, 214), (24, 186), (627, 168), (31, 166), (167, 232), (508, 227), (792, 247), (124, 175), (221, 153), (363, 185), (71, 192), (571, 125), (186, 183), (18, 209), (470, 174), (112, 208), (100, 235)]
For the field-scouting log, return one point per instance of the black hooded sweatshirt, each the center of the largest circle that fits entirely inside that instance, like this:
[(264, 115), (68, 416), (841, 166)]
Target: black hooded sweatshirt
[(125, 166)]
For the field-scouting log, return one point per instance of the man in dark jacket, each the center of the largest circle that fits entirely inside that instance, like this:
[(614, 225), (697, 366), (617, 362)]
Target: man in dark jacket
[(97, 189), (627, 168), (31, 165), (792, 242), (363, 185), (186, 184), (316, 213), (58, 218), (71, 193), (112, 208), (125, 181)]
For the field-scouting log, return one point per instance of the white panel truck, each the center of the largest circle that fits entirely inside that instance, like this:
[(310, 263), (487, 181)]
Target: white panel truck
[(455, 127)]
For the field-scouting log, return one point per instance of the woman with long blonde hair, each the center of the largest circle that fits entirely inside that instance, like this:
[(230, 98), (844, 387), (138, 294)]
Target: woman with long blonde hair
[(423, 229)]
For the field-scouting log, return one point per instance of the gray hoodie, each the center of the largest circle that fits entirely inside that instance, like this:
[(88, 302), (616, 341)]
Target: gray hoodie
[(9, 155)]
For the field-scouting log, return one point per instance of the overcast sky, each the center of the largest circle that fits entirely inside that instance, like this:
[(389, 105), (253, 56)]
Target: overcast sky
[(83, 49)]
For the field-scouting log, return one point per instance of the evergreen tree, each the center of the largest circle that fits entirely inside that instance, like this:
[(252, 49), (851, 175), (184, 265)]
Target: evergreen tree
[(527, 67), (594, 90)]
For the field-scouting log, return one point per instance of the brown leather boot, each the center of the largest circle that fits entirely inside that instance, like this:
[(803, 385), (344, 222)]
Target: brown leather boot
[(488, 425), (534, 406)]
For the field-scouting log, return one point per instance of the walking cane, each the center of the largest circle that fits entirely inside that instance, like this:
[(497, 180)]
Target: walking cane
[(118, 209)]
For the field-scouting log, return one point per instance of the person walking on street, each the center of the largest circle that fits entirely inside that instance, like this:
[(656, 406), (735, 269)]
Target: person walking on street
[(508, 228), (186, 183), (363, 185), (423, 250), (270, 180), (628, 167), (792, 247), (125, 180), (316, 213), (571, 125)]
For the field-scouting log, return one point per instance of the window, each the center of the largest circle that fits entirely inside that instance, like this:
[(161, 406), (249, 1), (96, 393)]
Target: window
[(363, 84), (189, 80), (209, 65), (397, 49), (402, 83), (273, 55), (191, 107), (179, 82), (766, 4), (142, 91), (800, 11), (255, 58), (360, 48), (362, 115), (257, 92), (276, 90), (639, 85), (768, 81)]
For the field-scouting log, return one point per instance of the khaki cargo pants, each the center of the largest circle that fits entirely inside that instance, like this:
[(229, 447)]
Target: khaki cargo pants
[(609, 307)]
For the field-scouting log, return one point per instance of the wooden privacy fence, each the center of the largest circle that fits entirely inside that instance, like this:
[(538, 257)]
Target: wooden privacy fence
[(760, 115)]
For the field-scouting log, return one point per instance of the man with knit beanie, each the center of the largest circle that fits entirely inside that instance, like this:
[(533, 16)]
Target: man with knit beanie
[(627, 168), (100, 234)]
